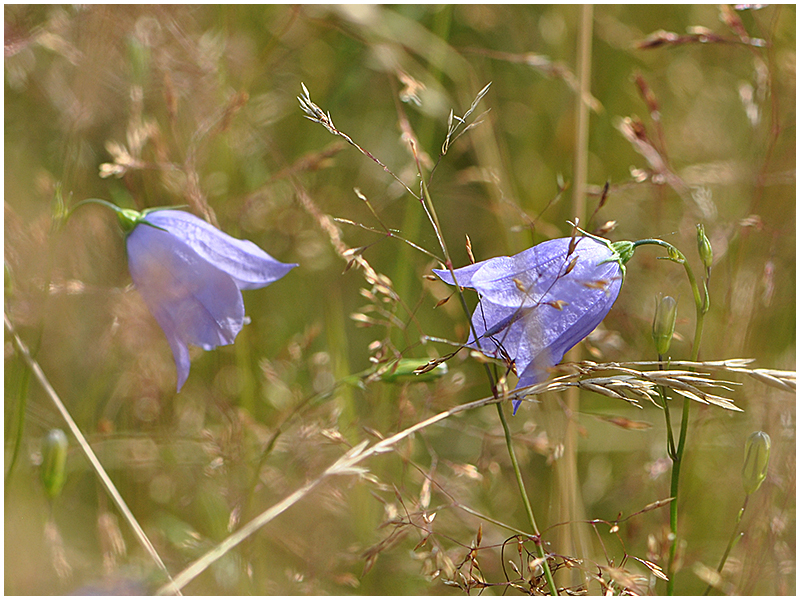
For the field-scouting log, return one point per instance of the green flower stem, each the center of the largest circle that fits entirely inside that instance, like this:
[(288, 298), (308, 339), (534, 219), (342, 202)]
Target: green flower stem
[(673, 492), (22, 399), (670, 436), (736, 535), (430, 210), (701, 302), (433, 217), (528, 509)]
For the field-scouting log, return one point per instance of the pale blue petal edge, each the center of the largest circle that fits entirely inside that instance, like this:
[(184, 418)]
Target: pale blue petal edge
[(246, 263)]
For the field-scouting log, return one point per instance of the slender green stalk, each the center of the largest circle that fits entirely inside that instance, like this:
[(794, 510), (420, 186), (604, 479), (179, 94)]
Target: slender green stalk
[(675, 456), (673, 507), (754, 472), (670, 436), (701, 302), (736, 535), (548, 575), (701, 307), (25, 377)]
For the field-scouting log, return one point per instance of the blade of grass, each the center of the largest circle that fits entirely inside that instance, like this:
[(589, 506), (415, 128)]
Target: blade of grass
[(571, 506)]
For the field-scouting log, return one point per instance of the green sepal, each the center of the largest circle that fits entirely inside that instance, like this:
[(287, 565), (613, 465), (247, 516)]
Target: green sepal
[(622, 251), (128, 217)]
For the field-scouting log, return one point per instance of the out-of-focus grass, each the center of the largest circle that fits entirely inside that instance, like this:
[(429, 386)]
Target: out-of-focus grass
[(204, 98)]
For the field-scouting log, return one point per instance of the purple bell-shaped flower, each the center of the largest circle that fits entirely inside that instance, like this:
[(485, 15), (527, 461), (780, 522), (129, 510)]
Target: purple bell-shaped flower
[(536, 305), (190, 275)]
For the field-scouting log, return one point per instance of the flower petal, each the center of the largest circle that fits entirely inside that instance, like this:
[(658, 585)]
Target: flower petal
[(528, 278), (464, 274), (249, 265), (192, 300)]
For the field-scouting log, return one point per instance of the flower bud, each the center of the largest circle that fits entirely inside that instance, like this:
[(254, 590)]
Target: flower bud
[(406, 371), (704, 247), (664, 323), (54, 461), (756, 461)]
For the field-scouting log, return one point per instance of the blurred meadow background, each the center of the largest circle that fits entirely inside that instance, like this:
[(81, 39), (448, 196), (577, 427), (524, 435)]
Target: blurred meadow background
[(690, 118)]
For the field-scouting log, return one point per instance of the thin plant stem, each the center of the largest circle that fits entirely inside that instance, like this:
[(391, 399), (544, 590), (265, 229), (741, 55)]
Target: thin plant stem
[(736, 535), (548, 575), (316, 114), (430, 211), (36, 370), (665, 404), (25, 378), (701, 306), (676, 452)]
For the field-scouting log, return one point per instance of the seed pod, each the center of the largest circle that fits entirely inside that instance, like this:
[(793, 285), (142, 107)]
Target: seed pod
[(756, 461), (54, 461)]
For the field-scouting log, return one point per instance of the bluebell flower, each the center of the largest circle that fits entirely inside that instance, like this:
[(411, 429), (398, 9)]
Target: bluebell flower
[(536, 305), (190, 276)]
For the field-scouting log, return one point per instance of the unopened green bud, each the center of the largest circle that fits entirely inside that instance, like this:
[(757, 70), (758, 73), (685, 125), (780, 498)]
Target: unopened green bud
[(704, 247), (664, 323), (756, 461), (54, 462), (405, 371)]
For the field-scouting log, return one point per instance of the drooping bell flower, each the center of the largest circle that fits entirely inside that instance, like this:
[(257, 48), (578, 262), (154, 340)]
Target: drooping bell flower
[(190, 275), (536, 305)]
